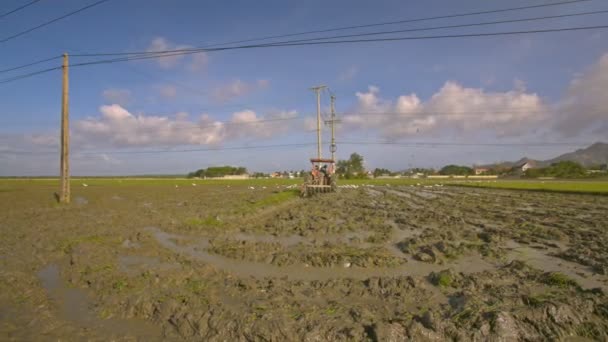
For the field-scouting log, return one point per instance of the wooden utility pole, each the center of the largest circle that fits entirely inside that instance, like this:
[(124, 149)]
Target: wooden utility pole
[(64, 196), (317, 90), (333, 148)]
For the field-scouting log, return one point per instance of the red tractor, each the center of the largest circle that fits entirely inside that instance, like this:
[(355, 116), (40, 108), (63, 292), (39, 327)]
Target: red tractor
[(322, 177)]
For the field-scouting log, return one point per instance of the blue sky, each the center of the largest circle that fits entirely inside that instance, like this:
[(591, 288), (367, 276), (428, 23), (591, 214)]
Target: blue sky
[(524, 88)]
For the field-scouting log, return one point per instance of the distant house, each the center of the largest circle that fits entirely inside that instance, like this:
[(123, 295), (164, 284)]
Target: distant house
[(525, 166), (480, 170), (245, 176)]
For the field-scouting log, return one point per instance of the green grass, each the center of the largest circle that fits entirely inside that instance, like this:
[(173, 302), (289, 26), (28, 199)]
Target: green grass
[(558, 279), (196, 286), (444, 280), (538, 300), (597, 186), (68, 245), (276, 198), (203, 222)]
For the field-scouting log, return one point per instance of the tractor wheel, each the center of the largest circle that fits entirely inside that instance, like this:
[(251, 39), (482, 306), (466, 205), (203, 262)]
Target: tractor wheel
[(334, 186)]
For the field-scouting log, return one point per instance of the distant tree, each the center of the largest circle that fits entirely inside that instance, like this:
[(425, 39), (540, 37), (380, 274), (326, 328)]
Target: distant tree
[(380, 172), (218, 171), (456, 170), (562, 169), (351, 168), (422, 170)]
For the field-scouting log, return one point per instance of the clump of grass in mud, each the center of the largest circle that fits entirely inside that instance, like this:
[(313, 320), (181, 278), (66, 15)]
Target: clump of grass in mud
[(208, 221), (537, 300), (120, 285), (445, 278), (196, 286), (276, 198), (589, 330), (558, 279), (533, 230), (67, 245), (88, 270)]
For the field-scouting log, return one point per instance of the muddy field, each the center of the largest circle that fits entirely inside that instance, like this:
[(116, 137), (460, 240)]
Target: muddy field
[(388, 263)]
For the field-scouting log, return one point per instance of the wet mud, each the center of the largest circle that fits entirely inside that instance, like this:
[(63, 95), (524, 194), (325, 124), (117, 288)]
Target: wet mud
[(394, 263)]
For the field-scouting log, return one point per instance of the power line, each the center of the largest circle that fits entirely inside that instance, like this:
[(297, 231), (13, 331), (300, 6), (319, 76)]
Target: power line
[(344, 114), (11, 79), (233, 148), (438, 113), (491, 34), (287, 43), (18, 8), (188, 88), (454, 26), (53, 21), (352, 27), (348, 36), (30, 64), (458, 144), (230, 123), (416, 144)]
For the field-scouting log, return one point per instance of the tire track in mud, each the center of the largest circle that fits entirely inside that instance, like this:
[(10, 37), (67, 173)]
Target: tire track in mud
[(546, 219), (225, 298), (243, 268)]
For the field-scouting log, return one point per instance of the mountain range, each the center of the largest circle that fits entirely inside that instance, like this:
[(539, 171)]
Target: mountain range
[(593, 155)]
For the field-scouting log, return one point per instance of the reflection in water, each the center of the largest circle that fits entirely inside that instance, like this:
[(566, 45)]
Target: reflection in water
[(75, 306), (541, 260)]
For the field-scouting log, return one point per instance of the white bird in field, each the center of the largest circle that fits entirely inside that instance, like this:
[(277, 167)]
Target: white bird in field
[(193, 184), (177, 186), (85, 184)]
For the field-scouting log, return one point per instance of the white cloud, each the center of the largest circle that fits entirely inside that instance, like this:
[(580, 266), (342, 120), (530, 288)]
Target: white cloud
[(245, 124), (453, 108), (117, 96), (583, 109), (237, 88), (118, 127), (197, 61)]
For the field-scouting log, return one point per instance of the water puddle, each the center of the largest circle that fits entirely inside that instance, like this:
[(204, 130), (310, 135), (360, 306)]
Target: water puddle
[(134, 264), (399, 193), (75, 306), (81, 200), (412, 200), (538, 258), (242, 268), (373, 192), (425, 194), (293, 240)]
